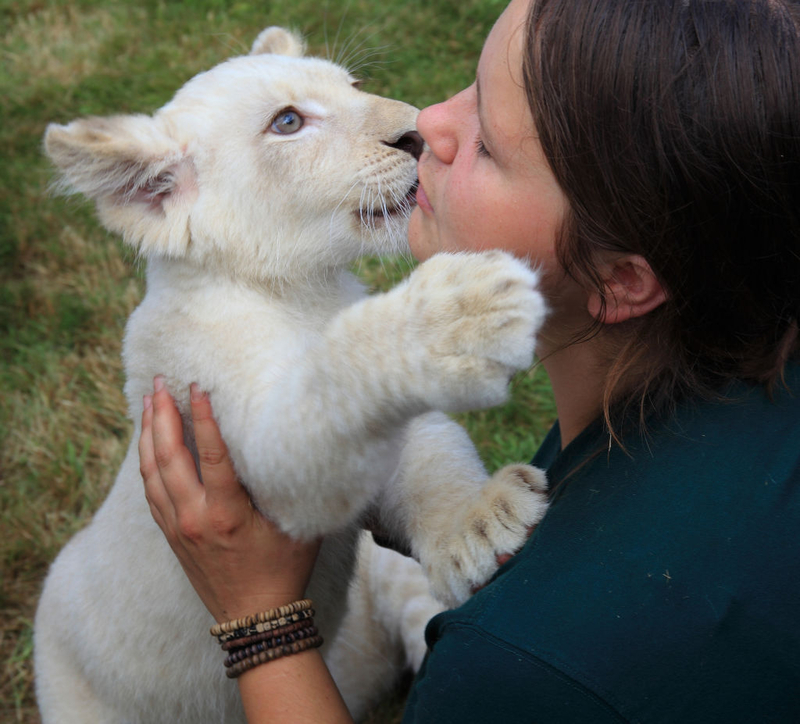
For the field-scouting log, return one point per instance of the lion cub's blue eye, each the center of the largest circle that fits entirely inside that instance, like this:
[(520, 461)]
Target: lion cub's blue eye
[(287, 121)]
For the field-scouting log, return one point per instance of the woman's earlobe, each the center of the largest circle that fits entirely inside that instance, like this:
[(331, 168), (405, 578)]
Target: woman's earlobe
[(630, 290)]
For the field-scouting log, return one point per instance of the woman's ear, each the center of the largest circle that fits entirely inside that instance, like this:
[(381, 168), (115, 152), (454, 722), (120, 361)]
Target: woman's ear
[(630, 290)]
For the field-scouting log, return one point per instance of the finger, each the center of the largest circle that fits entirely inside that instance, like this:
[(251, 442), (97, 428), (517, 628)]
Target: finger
[(504, 558), (175, 463), (157, 498), (216, 467)]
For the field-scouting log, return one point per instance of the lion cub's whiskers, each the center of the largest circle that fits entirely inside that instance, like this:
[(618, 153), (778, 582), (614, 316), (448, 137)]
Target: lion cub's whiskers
[(345, 196)]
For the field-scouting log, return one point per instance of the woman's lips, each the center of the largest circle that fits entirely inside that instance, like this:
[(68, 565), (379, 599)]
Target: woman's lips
[(422, 200)]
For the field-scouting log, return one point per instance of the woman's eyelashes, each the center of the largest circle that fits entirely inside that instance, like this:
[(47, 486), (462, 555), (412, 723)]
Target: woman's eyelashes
[(481, 148)]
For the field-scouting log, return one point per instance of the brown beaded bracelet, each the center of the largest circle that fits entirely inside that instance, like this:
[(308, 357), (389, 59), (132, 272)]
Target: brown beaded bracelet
[(270, 615), (263, 657), (255, 638), (273, 643), (258, 628)]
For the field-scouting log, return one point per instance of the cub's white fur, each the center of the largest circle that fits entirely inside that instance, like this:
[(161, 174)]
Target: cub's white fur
[(248, 217)]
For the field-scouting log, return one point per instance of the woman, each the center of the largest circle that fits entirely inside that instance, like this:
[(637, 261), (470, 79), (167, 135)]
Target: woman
[(646, 156)]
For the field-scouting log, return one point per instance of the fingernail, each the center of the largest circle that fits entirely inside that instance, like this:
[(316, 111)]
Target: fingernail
[(147, 400), (196, 393), (158, 383)]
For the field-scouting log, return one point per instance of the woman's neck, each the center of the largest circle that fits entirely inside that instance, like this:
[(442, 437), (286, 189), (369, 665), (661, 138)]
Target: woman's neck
[(577, 374)]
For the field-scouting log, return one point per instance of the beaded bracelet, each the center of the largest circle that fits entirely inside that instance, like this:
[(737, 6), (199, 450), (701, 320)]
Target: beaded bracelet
[(267, 636), (255, 638), (274, 643), (270, 615), (265, 626), (263, 657)]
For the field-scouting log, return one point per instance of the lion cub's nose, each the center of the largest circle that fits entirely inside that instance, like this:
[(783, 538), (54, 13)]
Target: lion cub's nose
[(410, 142)]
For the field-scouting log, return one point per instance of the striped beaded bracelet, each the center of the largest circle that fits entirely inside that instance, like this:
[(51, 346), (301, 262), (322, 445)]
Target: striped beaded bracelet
[(265, 626), (255, 638)]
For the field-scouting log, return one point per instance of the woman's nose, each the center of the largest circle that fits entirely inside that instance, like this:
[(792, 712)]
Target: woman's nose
[(438, 125)]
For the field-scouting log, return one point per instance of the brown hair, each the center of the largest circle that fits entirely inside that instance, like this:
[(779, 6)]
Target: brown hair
[(673, 128)]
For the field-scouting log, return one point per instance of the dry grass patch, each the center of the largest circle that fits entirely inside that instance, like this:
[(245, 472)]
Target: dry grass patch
[(64, 430), (61, 44)]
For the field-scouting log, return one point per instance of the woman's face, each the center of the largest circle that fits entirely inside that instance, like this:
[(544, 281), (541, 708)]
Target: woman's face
[(484, 182)]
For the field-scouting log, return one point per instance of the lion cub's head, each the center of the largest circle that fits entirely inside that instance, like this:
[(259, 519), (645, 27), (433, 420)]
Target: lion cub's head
[(271, 165)]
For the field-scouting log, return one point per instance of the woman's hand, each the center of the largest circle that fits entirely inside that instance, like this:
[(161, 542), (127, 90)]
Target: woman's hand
[(238, 562)]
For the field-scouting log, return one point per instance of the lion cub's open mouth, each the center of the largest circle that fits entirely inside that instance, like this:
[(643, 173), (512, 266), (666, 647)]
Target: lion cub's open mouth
[(386, 211)]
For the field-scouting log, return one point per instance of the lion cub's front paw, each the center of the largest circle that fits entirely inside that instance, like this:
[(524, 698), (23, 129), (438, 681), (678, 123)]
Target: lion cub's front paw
[(498, 523), (476, 317)]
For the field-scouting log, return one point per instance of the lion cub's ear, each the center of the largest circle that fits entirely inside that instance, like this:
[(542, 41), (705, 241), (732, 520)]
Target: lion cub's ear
[(138, 176), (279, 41)]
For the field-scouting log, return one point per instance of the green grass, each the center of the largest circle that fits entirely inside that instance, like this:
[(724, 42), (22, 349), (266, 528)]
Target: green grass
[(67, 286)]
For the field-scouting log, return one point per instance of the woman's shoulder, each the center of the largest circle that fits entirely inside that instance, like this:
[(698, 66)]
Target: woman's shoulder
[(741, 428), (661, 572)]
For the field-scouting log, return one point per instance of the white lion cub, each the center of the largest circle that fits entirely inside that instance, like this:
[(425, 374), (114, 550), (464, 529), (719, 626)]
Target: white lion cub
[(249, 194)]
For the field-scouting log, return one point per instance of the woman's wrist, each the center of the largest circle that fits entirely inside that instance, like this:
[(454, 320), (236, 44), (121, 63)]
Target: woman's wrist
[(297, 689), (262, 638)]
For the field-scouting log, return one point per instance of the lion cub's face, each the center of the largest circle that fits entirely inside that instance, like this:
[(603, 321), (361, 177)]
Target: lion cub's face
[(271, 165)]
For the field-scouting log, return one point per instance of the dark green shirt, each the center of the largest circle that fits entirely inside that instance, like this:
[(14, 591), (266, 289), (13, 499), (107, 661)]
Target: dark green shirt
[(663, 585)]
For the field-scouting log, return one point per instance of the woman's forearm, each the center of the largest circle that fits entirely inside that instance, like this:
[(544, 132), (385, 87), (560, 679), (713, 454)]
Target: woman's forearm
[(297, 689)]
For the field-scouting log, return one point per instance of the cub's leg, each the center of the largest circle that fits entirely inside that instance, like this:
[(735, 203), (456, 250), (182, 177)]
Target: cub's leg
[(383, 632), (455, 517), (63, 694)]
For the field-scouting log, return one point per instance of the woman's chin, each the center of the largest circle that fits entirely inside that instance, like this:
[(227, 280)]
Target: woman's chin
[(418, 240)]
